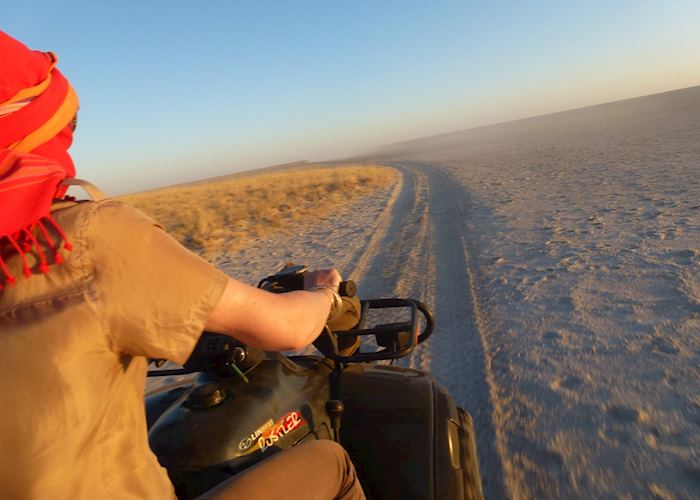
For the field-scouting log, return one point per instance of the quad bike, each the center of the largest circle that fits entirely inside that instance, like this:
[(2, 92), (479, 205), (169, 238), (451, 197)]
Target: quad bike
[(403, 431)]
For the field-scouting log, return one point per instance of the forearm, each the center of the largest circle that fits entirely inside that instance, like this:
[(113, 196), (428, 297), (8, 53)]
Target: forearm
[(270, 321)]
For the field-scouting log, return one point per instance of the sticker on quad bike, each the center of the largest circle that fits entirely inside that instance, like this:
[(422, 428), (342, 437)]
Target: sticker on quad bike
[(247, 442), (268, 434)]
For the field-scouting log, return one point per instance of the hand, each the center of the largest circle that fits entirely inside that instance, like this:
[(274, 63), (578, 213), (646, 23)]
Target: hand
[(322, 278)]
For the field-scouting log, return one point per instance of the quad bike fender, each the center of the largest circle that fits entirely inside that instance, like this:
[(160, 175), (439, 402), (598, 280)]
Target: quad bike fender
[(406, 436)]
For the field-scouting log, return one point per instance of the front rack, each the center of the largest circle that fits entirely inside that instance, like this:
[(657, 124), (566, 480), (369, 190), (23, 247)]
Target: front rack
[(397, 339)]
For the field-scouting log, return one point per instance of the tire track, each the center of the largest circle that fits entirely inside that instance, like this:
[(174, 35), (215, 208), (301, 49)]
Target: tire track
[(394, 256), (360, 261), (423, 254), (462, 364)]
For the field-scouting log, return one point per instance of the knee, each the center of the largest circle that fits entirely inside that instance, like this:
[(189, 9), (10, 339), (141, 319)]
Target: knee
[(326, 447), (328, 451)]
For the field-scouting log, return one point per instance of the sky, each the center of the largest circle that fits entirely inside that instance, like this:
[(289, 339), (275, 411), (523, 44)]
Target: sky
[(173, 91)]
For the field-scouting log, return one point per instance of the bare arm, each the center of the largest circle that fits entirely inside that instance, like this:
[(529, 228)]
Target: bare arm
[(274, 321)]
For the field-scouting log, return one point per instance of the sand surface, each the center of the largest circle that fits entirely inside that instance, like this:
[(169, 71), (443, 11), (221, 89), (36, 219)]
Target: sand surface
[(561, 255)]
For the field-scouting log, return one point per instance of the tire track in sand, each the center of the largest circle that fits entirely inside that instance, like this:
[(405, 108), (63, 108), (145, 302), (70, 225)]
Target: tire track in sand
[(385, 268), (423, 254)]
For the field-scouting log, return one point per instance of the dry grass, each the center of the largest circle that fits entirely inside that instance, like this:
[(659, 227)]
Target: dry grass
[(211, 217)]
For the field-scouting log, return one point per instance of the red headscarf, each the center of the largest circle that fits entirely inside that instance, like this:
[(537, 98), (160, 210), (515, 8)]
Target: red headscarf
[(37, 107)]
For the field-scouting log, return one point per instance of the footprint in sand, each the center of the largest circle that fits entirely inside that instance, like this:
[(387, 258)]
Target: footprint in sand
[(683, 257), (571, 383), (652, 214), (627, 414), (668, 234), (663, 345), (565, 304), (664, 203), (553, 338)]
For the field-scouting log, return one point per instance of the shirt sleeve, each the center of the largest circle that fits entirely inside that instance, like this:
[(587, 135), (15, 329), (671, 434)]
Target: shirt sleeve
[(154, 295)]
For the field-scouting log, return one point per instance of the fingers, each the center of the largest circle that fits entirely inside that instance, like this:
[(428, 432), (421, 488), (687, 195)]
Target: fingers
[(322, 278)]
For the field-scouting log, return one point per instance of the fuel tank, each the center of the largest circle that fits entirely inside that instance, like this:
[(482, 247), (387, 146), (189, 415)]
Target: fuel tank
[(228, 423)]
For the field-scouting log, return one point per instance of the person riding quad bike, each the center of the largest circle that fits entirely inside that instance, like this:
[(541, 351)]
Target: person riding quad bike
[(89, 291)]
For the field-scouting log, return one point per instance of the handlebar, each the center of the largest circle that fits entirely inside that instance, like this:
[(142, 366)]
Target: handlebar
[(292, 278)]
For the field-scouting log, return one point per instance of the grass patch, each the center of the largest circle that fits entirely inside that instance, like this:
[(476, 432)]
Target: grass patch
[(222, 215)]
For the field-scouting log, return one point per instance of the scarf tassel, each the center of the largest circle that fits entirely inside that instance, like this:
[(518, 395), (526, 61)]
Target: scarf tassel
[(24, 242)]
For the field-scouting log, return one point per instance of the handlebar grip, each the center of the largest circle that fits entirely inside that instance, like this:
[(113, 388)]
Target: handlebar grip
[(347, 288)]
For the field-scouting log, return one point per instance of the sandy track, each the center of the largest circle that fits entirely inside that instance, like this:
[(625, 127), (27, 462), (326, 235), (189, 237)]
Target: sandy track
[(422, 254)]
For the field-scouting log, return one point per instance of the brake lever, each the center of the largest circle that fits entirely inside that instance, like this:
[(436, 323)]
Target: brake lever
[(288, 279)]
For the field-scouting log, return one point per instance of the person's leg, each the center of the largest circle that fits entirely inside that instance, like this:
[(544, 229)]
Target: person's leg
[(317, 470)]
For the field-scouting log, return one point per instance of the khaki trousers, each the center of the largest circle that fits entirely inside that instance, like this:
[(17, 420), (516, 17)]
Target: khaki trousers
[(317, 470)]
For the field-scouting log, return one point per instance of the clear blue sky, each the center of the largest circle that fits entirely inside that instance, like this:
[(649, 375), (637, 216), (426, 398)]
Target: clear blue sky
[(180, 90)]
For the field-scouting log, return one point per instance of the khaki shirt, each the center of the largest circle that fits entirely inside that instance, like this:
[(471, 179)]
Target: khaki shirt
[(73, 349)]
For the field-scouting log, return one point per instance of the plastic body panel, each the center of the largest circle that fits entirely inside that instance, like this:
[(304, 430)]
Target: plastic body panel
[(191, 441)]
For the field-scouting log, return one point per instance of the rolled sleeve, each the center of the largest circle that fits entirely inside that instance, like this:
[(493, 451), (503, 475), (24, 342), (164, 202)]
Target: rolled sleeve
[(154, 295)]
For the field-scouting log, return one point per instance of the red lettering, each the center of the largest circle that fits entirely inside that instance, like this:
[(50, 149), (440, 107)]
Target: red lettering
[(285, 425)]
